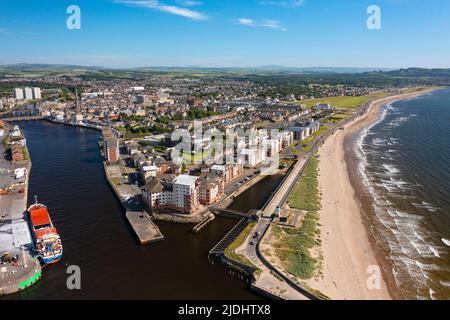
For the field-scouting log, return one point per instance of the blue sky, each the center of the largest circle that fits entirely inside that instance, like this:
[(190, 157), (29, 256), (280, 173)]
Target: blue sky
[(226, 33)]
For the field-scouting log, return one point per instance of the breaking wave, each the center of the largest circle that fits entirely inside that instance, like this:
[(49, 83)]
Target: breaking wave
[(414, 253)]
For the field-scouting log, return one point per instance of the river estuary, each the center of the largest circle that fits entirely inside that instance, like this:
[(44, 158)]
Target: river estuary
[(68, 177)]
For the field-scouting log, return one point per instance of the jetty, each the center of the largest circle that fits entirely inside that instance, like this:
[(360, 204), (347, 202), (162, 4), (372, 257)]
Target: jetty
[(146, 231), (202, 224)]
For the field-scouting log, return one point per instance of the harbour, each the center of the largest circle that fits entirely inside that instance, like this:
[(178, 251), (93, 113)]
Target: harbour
[(19, 267), (166, 269)]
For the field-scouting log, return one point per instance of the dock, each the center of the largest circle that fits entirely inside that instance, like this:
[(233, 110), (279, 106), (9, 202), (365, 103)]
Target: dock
[(19, 268), (146, 231), (202, 224)]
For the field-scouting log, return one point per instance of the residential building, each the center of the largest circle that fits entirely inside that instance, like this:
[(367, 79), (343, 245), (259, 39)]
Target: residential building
[(211, 188), (185, 193), (227, 172), (28, 93), (170, 192), (18, 93), (112, 149), (36, 93), (148, 171)]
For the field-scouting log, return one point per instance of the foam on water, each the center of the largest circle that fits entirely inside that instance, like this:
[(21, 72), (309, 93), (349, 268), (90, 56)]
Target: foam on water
[(432, 293), (403, 233), (435, 251), (391, 169), (446, 242), (425, 205)]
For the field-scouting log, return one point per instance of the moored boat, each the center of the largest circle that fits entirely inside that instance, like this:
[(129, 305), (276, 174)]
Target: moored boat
[(47, 241)]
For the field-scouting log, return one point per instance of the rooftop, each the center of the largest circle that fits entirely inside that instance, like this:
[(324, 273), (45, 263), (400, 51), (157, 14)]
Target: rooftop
[(185, 180)]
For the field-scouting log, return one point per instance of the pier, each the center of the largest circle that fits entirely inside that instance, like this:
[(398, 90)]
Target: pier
[(202, 224), (220, 247), (146, 231), (231, 212)]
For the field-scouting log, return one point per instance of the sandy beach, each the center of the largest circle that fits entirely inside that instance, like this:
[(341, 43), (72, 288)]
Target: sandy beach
[(348, 248)]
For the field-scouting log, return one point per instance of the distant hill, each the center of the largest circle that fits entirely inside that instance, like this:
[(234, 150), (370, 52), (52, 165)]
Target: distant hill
[(321, 69), (273, 73), (32, 66), (266, 68)]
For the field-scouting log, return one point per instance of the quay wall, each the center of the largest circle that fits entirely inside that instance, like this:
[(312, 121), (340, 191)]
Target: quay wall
[(25, 277)]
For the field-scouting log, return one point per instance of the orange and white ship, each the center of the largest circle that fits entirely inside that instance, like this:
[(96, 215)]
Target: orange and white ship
[(46, 238)]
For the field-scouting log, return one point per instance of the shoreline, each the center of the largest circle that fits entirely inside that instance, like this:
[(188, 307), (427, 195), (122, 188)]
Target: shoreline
[(28, 271), (348, 246)]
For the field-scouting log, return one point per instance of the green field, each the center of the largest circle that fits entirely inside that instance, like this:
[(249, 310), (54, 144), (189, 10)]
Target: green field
[(338, 117), (293, 245), (347, 102), (305, 194)]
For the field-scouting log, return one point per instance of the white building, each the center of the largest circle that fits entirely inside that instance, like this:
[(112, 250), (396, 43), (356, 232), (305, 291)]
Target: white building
[(286, 139), (148, 171), (28, 93), (174, 193), (303, 132), (18, 93), (251, 157), (36, 93), (186, 193), (77, 117)]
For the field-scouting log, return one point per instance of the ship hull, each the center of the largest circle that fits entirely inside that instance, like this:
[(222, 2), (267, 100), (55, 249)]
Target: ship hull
[(51, 260), (47, 242)]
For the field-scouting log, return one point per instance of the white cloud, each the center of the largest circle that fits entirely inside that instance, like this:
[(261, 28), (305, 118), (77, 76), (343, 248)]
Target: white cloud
[(156, 5), (284, 3), (189, 3), (270, 24)]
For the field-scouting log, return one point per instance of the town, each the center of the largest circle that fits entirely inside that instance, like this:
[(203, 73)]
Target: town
[(138, 119), (181, 149)]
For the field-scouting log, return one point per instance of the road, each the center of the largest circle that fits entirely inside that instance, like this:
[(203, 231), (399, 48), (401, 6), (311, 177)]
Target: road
[(267, 280), (280, 196), (250, 247)]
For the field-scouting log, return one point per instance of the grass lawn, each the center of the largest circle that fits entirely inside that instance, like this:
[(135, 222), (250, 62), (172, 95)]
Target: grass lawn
[(305, 194), (26, 154), (338, 117), (347, 102), (308, 142), (293, 245), (189, 158)]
